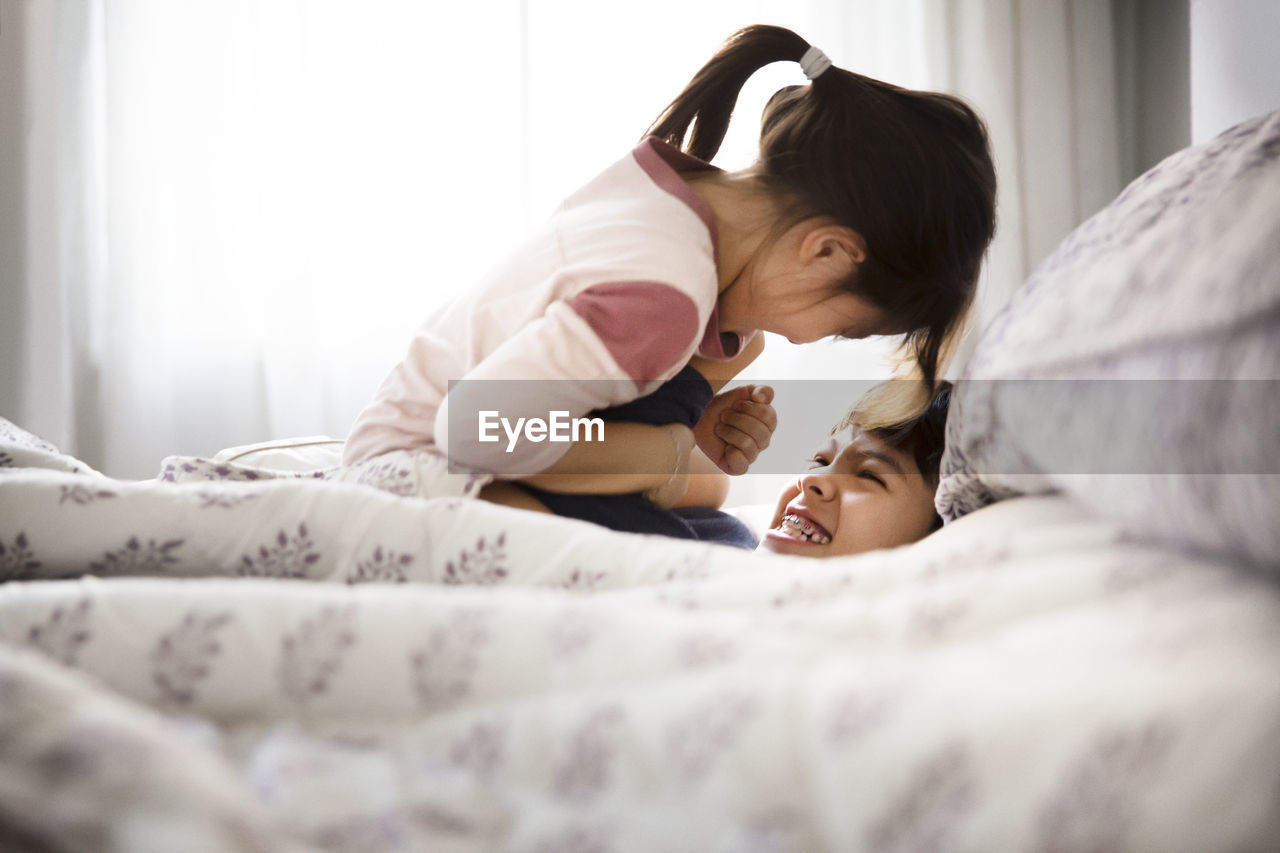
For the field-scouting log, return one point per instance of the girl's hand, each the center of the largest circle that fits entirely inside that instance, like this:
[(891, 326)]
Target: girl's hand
[(736, 426)]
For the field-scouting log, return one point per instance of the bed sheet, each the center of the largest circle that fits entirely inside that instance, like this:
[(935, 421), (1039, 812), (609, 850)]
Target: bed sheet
[(314, 665)]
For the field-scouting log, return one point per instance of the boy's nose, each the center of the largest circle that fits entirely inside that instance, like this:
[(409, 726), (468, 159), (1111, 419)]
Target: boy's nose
[(818, 482)]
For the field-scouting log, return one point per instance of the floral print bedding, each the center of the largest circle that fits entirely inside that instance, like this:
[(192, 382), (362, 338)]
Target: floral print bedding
[(315, 664)]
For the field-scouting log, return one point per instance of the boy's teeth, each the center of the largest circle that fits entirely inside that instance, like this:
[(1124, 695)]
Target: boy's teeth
[(806, 530)]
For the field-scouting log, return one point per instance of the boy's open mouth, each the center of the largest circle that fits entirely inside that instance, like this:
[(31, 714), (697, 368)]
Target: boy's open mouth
[(803, 529)]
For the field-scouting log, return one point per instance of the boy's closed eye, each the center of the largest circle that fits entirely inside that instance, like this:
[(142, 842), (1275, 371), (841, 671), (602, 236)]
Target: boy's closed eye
[(868, 474), (820, 460)]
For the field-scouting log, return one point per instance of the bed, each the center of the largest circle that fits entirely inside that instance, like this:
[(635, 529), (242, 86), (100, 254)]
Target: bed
[(259, 651)]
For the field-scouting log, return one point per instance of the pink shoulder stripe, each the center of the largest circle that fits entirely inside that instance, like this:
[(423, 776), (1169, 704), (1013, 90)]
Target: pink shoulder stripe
[(663, 162), (646, 326), (718, 345)]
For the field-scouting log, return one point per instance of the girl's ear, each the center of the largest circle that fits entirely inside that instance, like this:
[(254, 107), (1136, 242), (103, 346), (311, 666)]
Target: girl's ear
[(827, 242)]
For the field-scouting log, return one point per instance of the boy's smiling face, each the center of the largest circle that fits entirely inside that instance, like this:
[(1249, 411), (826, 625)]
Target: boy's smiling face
[(860, 494)]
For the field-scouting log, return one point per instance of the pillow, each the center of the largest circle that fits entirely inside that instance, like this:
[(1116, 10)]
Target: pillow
[(1136, 369), (289, 455)]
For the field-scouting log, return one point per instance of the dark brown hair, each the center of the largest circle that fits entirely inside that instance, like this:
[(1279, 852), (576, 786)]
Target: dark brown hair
[(911, 172), (899, 414), (902, 414)]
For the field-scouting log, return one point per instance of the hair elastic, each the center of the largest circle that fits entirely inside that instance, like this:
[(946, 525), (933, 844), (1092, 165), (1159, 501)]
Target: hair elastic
[(814, 62)]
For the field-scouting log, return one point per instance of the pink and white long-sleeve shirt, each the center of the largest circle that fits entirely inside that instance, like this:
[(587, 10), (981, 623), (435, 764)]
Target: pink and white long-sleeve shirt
[(610, 299)]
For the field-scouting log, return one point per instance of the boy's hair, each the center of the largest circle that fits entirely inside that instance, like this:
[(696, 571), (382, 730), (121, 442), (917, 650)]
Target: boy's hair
[(900, 414), (909, 171)]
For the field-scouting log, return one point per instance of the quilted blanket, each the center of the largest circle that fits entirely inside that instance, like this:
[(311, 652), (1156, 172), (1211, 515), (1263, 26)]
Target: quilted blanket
[(310, 664)]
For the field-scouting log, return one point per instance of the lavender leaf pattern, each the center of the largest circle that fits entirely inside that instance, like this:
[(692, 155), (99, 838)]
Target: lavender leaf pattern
[(697, 739), (812, 591), (387, 476), (179, 469), (934, 616), (135, 558), (584, 773), (483, 565), (1100, 794), (572, 632), (287, 556), (311, 656), (16, 435), (223, 498), (82, 495), (442, 668), (940, 793), (480, 750), (475, 481), (853, 713), (63, 633), (383, 565), (17, 561), (584, 579), (182, 657), (691, 565)]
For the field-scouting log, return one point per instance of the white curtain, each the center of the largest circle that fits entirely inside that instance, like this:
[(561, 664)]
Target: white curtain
[(222, 219), (1044, 75)]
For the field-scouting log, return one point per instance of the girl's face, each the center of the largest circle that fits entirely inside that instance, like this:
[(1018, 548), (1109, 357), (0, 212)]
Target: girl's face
[(796, 287), (859, 495)]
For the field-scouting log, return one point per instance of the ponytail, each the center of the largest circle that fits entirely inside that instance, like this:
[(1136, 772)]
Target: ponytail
[(909, 171), (707, 102)]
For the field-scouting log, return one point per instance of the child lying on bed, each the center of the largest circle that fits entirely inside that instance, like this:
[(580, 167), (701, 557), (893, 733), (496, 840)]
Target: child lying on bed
[(871, 486)]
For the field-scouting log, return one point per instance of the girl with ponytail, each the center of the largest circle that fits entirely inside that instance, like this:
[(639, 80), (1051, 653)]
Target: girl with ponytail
[(867, 212)]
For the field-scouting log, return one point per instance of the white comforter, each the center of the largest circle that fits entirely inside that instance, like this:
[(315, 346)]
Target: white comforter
[(304, 664)]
